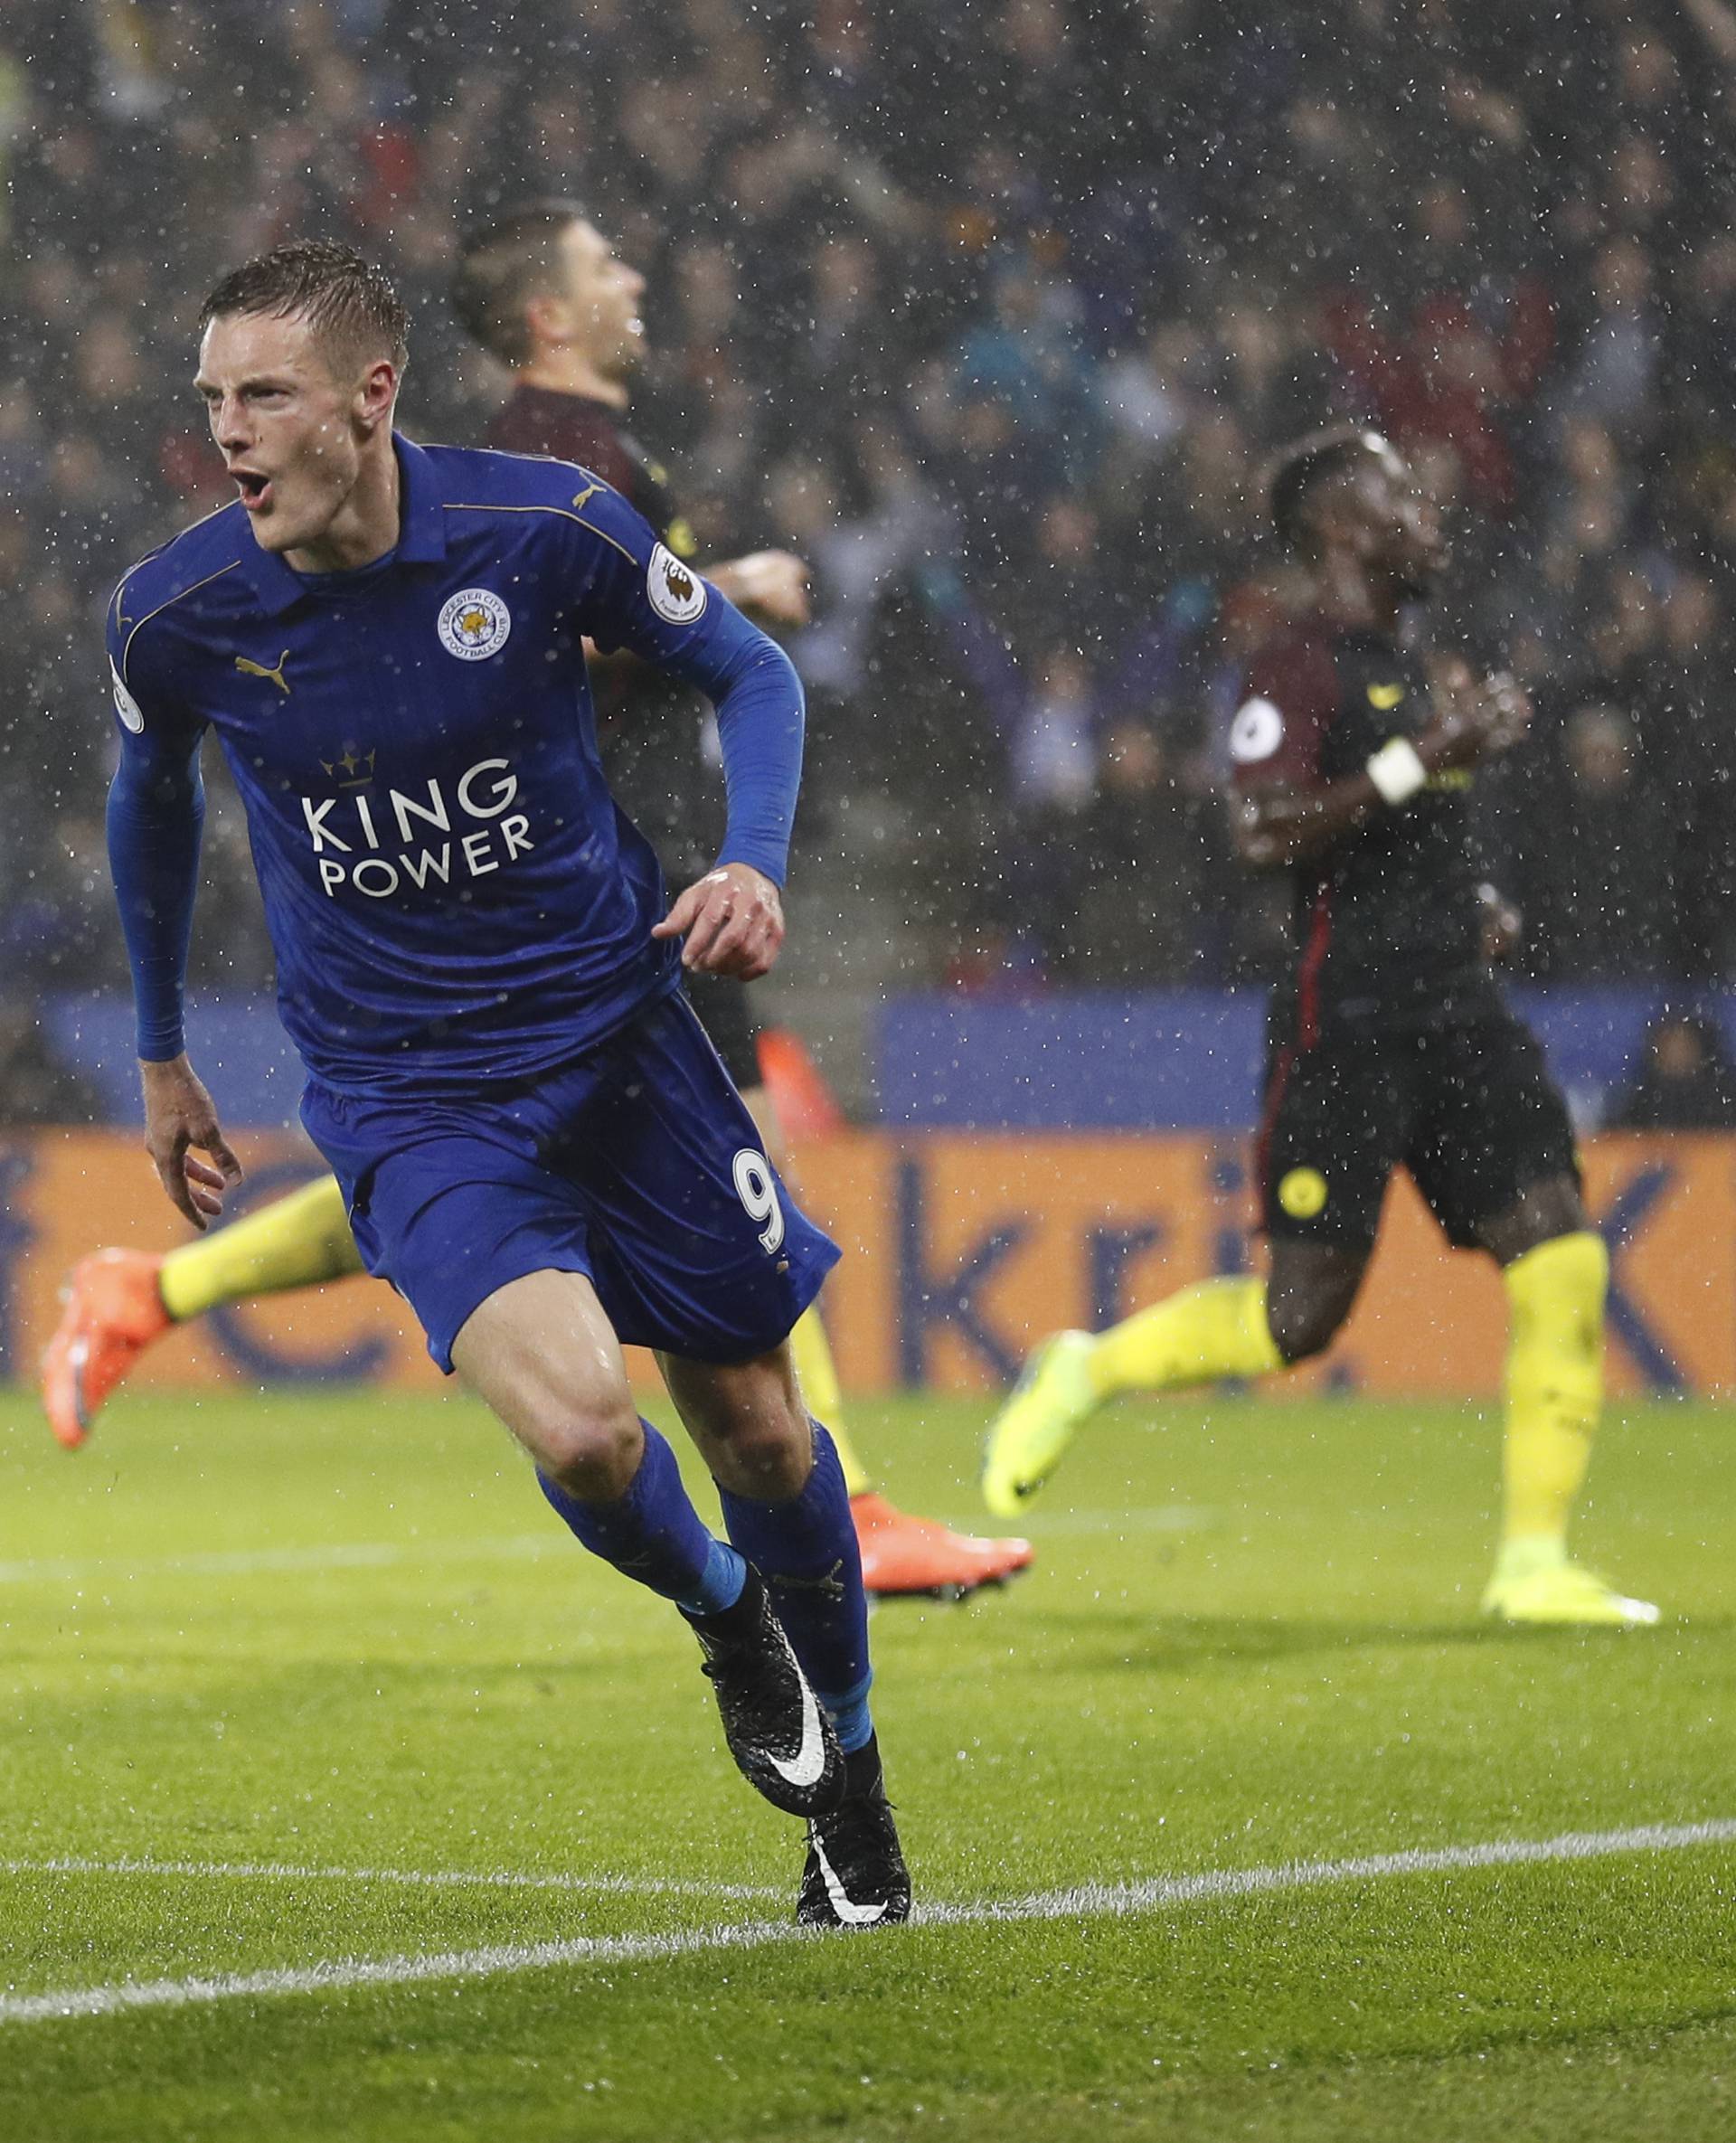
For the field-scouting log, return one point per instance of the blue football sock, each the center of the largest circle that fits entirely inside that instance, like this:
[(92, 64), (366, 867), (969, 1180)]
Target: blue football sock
[(805, 1550), (653, 1534)]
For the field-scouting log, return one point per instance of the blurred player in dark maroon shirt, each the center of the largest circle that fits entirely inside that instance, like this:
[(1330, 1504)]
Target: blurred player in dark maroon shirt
[(544, 292), (1390, 1043)]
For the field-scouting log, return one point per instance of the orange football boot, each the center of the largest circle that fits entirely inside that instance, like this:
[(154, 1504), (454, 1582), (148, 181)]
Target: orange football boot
[(113, 1312), (902, 1554)]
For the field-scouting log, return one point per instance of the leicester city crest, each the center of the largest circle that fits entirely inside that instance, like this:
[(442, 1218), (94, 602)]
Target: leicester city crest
[(474, 623)]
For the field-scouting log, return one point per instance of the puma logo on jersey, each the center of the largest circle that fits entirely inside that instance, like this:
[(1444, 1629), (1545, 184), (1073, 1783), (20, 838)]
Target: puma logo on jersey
[(258, 669), (589, 491), (1385, 696)]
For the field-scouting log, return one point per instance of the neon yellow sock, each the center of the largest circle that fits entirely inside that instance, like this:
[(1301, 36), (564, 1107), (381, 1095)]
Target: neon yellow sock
[(819, 1378), (1215, 1328), (1554, 1383), (294, 1243)]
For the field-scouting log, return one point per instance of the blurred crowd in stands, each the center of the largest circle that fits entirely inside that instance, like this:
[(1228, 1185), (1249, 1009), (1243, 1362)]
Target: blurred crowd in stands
[(992, 309)]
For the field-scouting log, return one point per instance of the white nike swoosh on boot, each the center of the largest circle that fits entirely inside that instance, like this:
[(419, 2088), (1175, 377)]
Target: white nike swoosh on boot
[(805, 1766), (843, 1904)]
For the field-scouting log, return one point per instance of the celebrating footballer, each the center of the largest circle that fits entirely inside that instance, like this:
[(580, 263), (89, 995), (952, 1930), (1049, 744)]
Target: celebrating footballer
[(1390, 1045), (481, 970)]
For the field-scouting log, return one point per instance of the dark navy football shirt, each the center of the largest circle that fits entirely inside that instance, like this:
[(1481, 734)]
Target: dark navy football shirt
[(451, 892)]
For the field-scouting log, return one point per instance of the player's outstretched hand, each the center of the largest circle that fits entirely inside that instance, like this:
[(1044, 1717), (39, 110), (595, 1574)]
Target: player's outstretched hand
[(1474, 717), (769, 585), (179, 1116), (732, 919)]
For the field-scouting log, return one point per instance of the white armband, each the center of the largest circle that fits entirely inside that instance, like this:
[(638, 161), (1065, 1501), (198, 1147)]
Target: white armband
[(1397, 771)]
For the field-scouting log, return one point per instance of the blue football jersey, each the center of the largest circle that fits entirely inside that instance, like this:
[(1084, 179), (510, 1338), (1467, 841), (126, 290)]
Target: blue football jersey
[(452, 893)]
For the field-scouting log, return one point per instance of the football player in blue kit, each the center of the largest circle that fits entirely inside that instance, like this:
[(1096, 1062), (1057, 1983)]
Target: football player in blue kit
[(547, 295), (481, 970)]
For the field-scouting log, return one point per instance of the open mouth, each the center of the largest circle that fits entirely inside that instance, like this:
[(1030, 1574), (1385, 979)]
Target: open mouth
[(255, 489)]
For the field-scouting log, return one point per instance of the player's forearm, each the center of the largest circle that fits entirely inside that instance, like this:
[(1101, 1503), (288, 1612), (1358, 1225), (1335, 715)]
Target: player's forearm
[(721, 574), (1301, 826), (772, 585), (761, 718), (154, 817)]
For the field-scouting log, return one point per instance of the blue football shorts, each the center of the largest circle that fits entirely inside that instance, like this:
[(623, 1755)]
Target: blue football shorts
[(637, 1164)]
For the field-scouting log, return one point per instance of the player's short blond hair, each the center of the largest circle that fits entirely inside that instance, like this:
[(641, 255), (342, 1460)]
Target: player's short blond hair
[(347, 301)]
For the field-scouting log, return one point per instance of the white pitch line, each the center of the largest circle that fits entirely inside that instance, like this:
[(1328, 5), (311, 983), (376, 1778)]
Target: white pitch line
[(391, 1971), (366, 1554), (272, 1871), (381, 1555), (1085, 1901), (1094, 1900)]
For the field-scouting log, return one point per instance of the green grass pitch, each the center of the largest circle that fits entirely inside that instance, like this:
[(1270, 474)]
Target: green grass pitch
[(268, 1662)]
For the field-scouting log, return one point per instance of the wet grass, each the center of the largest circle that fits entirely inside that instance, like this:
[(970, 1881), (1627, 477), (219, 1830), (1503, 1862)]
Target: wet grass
[(320, 1633)]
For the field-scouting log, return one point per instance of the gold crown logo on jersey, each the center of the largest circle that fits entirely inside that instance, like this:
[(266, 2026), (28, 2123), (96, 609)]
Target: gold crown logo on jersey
[(354, 768)]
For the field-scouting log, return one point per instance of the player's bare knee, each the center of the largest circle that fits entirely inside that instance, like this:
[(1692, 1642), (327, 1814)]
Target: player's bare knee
[(1310, 1292), (749, 1420), (763, 1449), (1305, 1320), (1301, 1330), (1545, 1210), (593, 1451), (767, 1456)]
